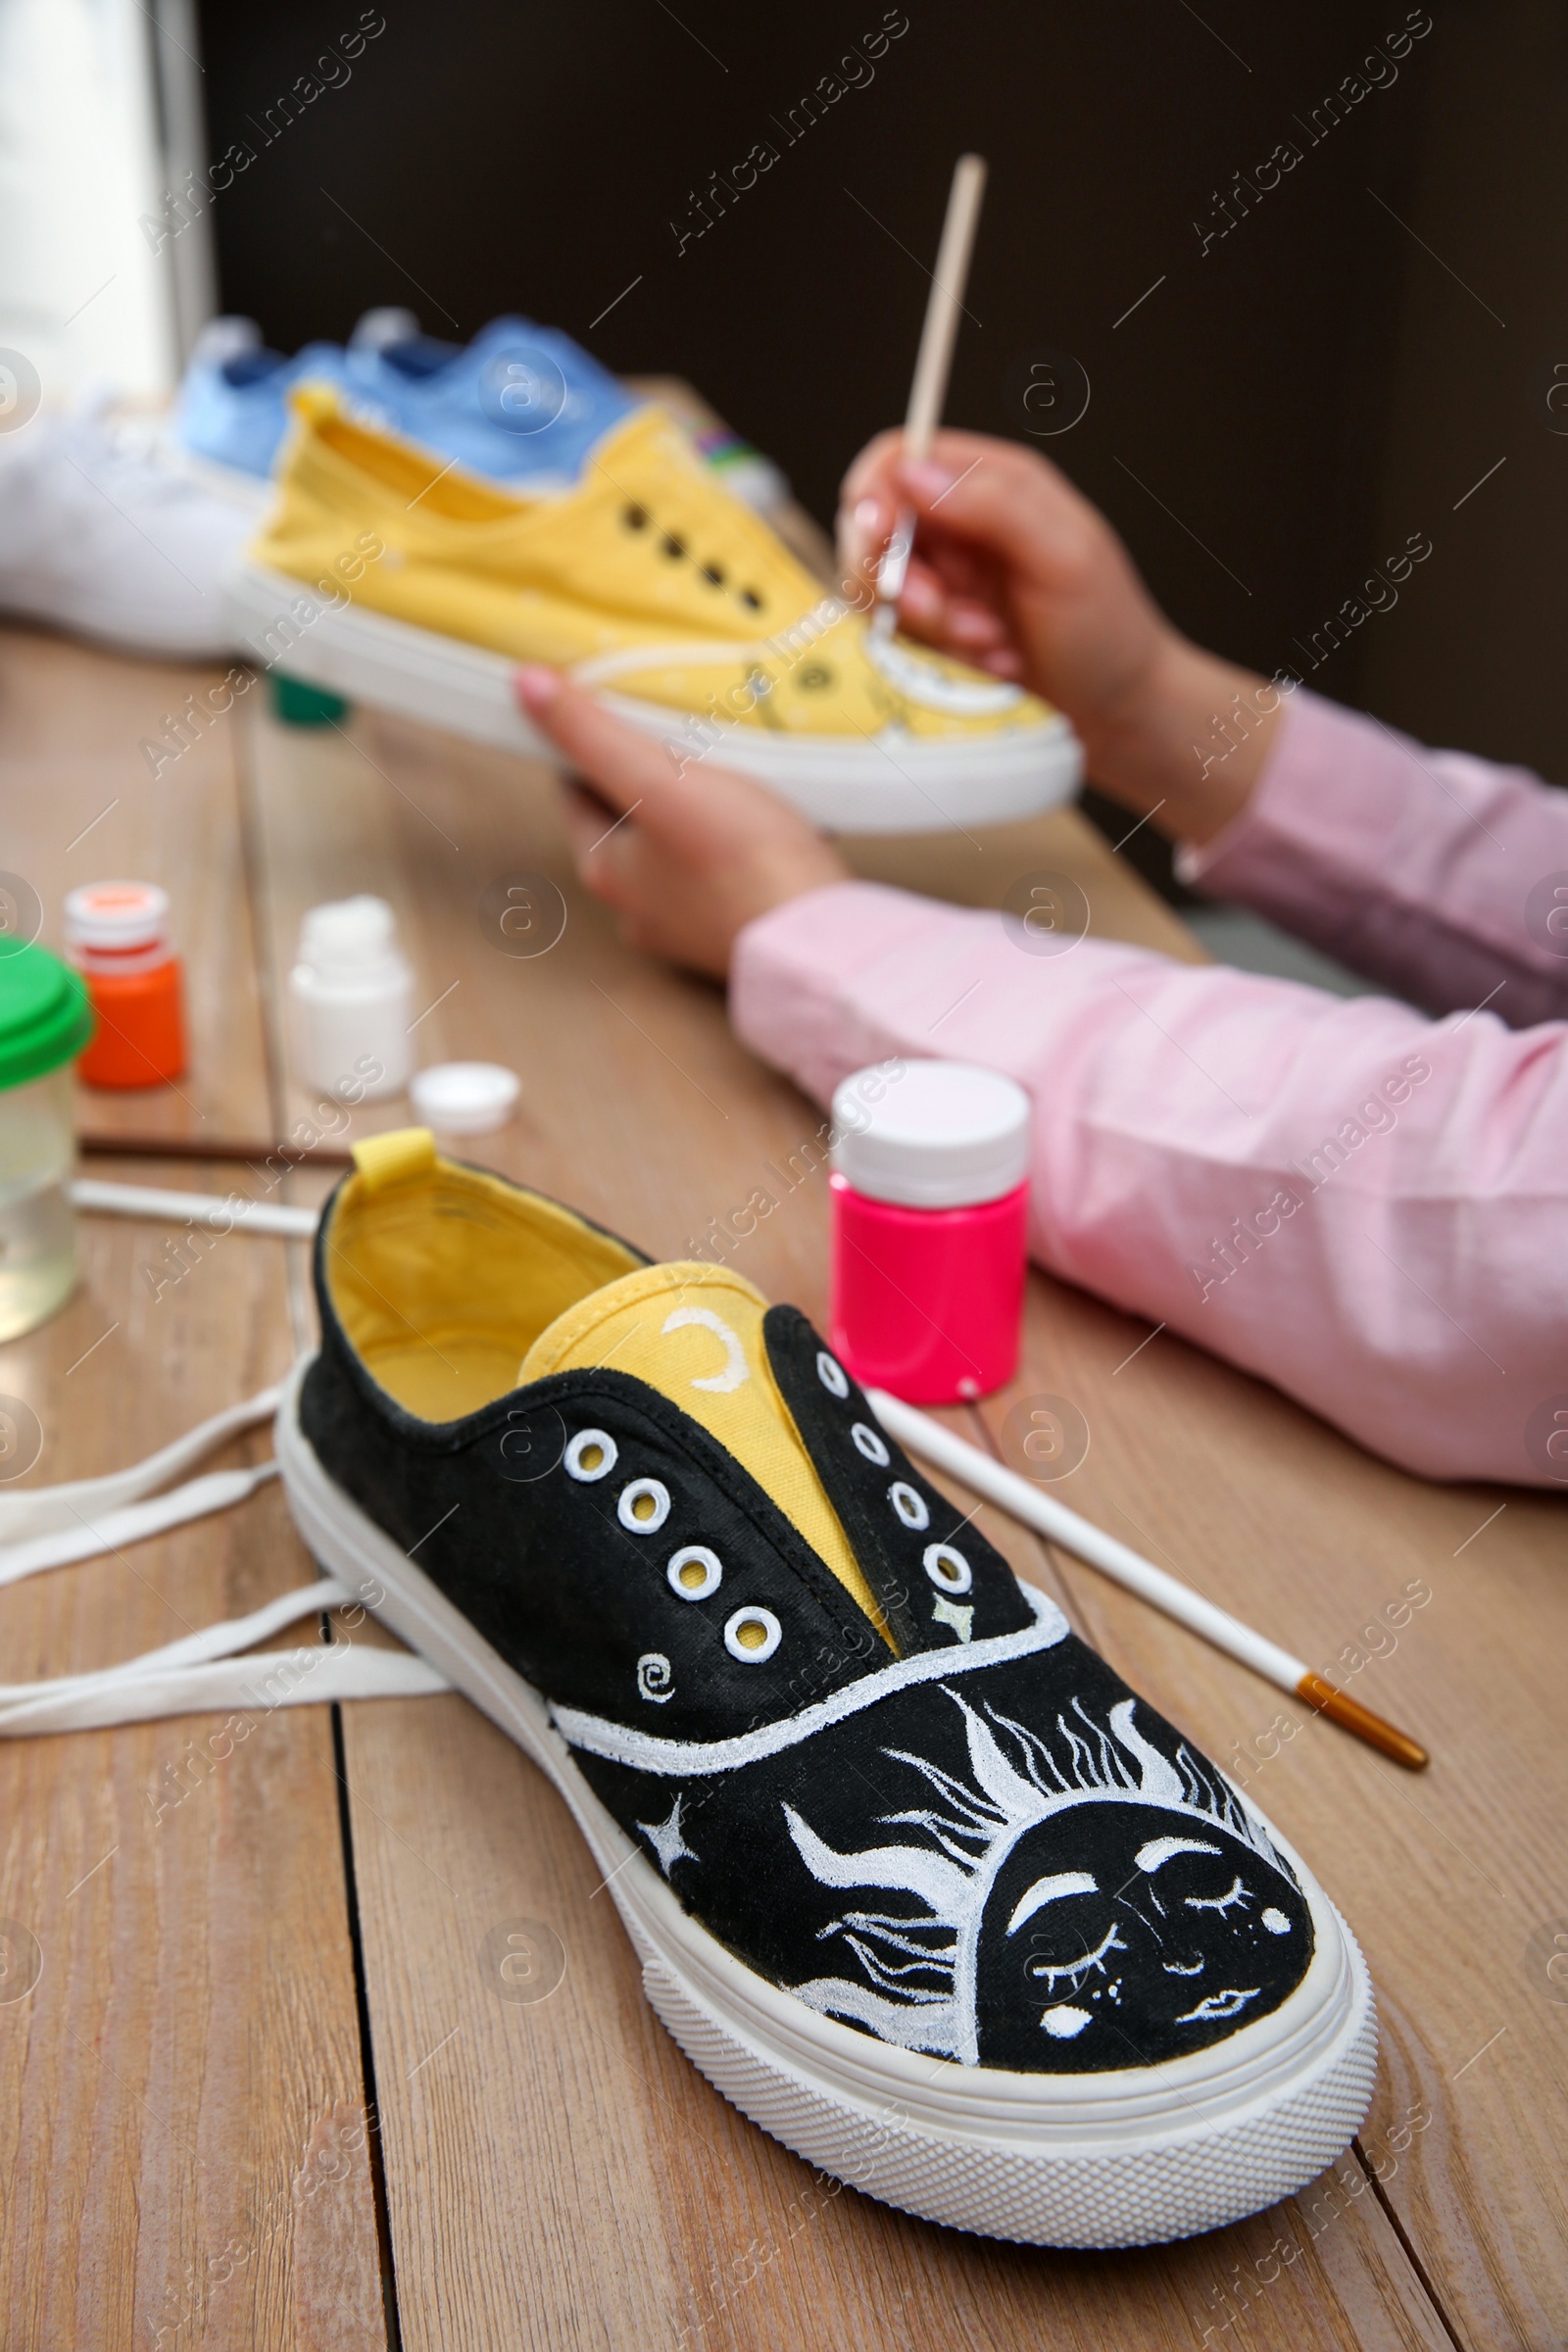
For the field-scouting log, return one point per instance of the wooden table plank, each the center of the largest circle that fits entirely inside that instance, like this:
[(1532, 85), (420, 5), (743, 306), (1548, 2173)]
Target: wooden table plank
[(182, 2143), (557, 2174), (1447, 1877), (82, 805)]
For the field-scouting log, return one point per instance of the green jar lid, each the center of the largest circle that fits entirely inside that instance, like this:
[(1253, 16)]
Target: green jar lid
[(45, 1018)]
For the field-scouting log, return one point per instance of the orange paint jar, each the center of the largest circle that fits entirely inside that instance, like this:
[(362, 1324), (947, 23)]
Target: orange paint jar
[(116, 935)]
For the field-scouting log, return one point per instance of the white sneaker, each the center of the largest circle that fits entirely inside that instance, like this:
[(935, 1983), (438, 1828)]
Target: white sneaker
[(102, 536)]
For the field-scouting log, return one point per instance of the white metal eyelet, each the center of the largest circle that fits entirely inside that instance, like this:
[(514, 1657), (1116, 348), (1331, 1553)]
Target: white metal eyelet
[(709, 1567), (867, 1441), (830, 1372), (590, 1456), (643, 1523), (911, 1507), (948, 1568), (752, 1620)]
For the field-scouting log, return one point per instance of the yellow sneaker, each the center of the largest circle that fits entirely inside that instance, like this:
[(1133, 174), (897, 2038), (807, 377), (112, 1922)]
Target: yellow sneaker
[(418, 587)]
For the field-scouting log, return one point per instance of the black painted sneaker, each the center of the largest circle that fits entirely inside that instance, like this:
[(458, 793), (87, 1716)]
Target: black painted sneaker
[(915, 1879)]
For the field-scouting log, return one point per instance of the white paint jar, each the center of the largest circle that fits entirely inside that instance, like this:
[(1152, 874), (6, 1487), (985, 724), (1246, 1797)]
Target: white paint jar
[(351, 1003)]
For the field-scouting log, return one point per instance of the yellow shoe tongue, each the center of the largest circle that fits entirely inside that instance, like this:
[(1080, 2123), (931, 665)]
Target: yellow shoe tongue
[(695, 1334)]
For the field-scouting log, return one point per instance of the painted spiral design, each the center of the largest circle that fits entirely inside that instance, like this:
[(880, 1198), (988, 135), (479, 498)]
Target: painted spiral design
[(655, 1678)]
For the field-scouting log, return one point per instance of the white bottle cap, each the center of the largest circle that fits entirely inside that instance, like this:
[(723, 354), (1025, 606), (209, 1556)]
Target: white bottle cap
[(945, 1135), (465, 1098), (348, 938), (116, 914)]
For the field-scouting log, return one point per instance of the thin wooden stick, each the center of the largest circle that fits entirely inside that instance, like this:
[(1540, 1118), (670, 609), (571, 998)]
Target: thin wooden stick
[(929, 391), (99, 1145), (1024, 1500)]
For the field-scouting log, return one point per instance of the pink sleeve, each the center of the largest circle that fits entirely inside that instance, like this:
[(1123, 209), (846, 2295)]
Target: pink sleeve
[(1361, 1205), (1433, 873)]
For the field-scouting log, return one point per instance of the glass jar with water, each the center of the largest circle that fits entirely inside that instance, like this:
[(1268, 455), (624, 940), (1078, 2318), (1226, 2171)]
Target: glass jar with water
[(44, 1023)]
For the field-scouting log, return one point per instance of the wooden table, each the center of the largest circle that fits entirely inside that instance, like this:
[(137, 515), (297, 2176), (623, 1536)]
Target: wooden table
[(259, 2086)]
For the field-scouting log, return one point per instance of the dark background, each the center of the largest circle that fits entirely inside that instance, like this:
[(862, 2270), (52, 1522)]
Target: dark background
[(1272, 420)]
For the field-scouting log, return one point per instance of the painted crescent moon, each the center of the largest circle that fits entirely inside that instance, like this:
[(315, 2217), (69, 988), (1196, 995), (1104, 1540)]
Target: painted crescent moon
[(736, 1369)]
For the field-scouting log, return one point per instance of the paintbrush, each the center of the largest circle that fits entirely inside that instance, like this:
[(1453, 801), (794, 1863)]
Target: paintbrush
[(929, 391), (1022, 1500)]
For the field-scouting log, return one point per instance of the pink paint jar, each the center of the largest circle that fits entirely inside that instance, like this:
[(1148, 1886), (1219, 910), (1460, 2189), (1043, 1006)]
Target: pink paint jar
[(930, 1209)]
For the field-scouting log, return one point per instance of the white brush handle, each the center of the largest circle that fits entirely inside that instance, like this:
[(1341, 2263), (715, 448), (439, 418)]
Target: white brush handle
[(222, 1212), (919, 1434)]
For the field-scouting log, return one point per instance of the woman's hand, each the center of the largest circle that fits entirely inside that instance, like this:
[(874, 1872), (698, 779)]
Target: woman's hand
[(1014, 571), (687, 855)]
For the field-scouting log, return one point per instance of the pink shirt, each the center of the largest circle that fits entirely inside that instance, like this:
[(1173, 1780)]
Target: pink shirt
[(1366, 1206)]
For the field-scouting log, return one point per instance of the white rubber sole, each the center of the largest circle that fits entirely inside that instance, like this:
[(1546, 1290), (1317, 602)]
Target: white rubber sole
[(122, 626), (886, 785), (1089, 2160)]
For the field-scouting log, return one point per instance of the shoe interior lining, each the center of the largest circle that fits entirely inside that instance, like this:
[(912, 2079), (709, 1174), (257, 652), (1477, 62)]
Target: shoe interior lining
[(446, 1286), (450, 492)]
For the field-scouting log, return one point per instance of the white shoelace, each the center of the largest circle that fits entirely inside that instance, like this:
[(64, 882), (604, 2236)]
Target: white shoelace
[(202, 1672)]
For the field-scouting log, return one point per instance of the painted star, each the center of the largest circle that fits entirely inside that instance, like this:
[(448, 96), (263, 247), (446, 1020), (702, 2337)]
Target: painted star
[(948, 1612), (666, 1840)]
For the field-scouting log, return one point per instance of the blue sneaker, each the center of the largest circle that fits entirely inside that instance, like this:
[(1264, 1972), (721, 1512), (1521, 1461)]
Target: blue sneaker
[(542, 403), (520, 402), (232, 407)]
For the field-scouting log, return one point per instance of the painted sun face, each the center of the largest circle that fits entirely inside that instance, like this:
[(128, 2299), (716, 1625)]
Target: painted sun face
[(1121, 1934), (1080, 1903)]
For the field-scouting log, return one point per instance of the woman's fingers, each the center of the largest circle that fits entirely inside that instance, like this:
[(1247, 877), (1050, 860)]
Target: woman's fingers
[(974, 625), (1002, 661), (861, 534), (944, 600), (923, 602), (871, 474), (697, 807), (591, 825), (959, 591), (1009, 505), (620, 762), (873, 491), (681, 795)]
